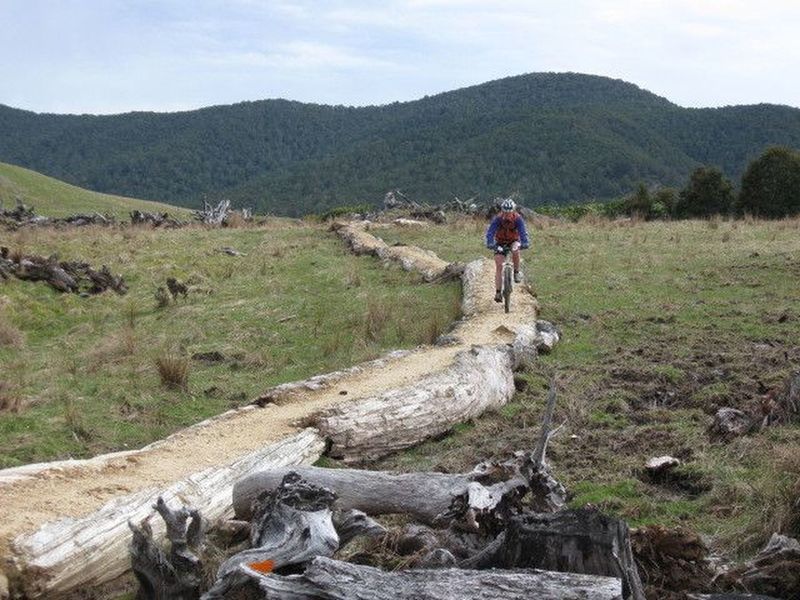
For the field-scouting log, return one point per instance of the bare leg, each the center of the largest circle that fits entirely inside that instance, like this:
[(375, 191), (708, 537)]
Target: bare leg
[(498, 271), (515, 259)]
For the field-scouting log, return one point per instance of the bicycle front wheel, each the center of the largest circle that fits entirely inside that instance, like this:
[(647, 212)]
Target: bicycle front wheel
[(508, 282)]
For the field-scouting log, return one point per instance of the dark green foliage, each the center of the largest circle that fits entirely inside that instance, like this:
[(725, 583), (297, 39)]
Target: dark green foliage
[(771, 184), (707, 193), (639, 203), (551, 138)]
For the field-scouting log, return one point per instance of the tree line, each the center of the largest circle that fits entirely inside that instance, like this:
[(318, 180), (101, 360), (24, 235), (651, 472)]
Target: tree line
[(548, 137), (769, 188)]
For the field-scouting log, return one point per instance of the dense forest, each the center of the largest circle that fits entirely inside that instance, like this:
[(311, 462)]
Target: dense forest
[(548, 138)]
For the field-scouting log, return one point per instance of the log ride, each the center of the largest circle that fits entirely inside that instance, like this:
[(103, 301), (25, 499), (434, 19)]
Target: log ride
[(88, 550)]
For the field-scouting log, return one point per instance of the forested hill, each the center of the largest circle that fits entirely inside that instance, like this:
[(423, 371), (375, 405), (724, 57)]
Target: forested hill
[(547, 137)]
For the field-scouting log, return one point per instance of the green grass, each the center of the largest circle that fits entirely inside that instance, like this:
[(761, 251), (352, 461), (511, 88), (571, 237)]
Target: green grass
[(297, 305), (663, 323), (53, 198)]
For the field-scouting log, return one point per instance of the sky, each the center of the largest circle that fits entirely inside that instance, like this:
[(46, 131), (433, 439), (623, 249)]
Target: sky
[(112, 56)]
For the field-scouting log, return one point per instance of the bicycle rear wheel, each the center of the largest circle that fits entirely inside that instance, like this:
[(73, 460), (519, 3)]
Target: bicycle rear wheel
[(508, 280)]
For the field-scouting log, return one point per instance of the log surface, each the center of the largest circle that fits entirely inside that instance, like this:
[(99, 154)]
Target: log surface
[(335, 580)]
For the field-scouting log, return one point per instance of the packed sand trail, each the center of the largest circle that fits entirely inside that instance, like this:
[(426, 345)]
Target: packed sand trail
[(73, 491)]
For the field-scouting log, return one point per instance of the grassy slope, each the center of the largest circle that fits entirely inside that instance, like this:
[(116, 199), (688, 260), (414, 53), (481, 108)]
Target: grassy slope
[(54, 198), (663, 324), (299, 304)]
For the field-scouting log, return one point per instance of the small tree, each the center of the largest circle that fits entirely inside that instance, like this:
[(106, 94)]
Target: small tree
[(707, 193), (771, 184), (664, 202), (639, 203)]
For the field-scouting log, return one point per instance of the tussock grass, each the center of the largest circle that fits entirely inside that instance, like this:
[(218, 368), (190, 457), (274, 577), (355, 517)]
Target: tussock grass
[(173, 371), (295, 306), (10, 335), (10, 400), (664, 323)]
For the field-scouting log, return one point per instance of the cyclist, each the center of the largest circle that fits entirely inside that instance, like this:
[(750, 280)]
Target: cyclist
[(506, 233)]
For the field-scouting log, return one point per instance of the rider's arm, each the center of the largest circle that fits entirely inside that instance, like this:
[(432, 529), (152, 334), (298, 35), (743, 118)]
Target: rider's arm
[(523, 234), (491, 231)]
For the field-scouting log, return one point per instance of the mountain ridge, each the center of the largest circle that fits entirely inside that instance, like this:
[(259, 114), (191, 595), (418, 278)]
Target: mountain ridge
[(546, 137)]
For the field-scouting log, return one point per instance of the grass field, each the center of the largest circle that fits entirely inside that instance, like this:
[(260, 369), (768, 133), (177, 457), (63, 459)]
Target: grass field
[(663, 323), (53, 198), (79, 375)]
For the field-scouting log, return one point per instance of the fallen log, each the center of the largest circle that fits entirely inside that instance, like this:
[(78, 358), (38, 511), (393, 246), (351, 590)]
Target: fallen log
[(65, 276), (336, 580), (369, 428), (139, 217), (92, 550), (427, 497)]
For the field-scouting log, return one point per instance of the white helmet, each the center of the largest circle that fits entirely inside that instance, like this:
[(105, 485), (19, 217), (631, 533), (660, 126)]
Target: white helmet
[(507, 205)]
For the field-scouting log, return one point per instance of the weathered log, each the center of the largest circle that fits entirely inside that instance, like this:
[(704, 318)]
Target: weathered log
[(729, 597), (66, 276), (369, 428), (774, 571), (177, 574), (573, 541), (213, 214), (139, 217), (350, 524), (426, 497), (92, 550), (291, 525), (336, 580)]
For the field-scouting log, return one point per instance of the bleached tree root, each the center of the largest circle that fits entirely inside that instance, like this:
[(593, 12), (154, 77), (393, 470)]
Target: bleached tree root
[(93, 550), (336, 580)]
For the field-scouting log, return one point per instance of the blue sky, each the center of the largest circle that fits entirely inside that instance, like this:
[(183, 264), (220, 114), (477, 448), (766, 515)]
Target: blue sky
[(109, 56)]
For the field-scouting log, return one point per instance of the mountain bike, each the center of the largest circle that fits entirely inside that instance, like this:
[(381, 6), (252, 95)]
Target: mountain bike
[(508, 276)]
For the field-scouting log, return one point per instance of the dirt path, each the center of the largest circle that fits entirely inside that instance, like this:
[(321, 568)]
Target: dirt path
[(35, 495)]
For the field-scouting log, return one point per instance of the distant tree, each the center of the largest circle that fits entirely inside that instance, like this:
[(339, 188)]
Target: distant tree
[(708, 192), (665, 200), (771, 184), (639, 203)]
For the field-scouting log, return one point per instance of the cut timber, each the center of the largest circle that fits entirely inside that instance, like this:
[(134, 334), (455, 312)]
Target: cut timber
[(369, 428), (336, 580), (411, 258), (93, 550)]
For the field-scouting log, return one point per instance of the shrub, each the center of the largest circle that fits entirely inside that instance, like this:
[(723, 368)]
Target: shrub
[(707, 193), (771, 184)]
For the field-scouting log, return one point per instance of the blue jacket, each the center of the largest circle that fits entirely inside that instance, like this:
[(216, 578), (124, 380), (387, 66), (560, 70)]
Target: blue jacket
[(523, 234)]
